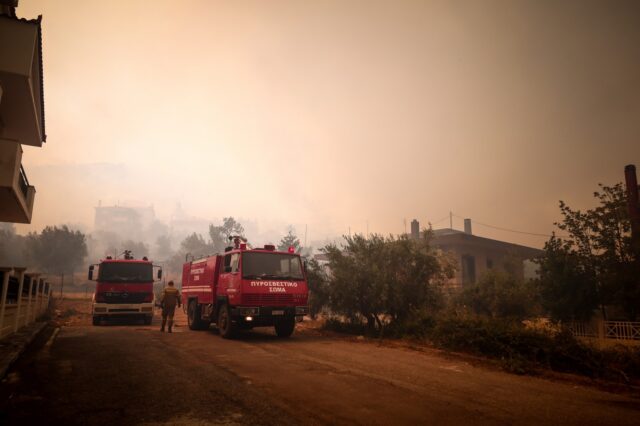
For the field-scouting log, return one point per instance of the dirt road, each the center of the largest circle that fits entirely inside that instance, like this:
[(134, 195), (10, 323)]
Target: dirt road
[(133, 374)]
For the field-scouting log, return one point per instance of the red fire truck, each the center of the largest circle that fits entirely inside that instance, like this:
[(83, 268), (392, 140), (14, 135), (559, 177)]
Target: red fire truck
[(124, 288), (245, 288)]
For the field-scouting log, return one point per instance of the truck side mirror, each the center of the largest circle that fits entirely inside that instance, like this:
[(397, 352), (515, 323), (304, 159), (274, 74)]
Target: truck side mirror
[(160, 273), (91, 273)]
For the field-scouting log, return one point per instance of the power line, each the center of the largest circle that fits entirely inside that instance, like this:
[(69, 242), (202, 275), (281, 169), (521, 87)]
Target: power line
[(510, 230), (440, 220)]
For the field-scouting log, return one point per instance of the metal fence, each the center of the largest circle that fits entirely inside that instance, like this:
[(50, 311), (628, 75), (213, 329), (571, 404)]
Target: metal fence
[(622, 330), (582, 329), (613, 330), (24, 297)]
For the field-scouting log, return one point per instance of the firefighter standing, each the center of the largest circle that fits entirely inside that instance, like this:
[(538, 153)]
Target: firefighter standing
[(170, 298)]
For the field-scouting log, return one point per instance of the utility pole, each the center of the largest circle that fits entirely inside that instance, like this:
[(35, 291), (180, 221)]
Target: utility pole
[(633, 204), (450, 219), (61, 283)]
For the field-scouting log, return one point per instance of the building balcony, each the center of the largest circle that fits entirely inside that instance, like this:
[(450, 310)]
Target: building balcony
[(16, 195), (21, 94)]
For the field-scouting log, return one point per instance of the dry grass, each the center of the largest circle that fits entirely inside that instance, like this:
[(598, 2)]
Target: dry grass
[(74, 295), (72, 311)]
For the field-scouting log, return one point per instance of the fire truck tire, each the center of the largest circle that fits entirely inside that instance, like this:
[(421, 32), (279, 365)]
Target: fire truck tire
[(225, 326), (193, 316), (285, 327), (96, 320)]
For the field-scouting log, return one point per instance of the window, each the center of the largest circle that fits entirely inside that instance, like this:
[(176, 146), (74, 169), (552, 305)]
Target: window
[(235, 262), (468, 269), (134, 272), (271, 266)]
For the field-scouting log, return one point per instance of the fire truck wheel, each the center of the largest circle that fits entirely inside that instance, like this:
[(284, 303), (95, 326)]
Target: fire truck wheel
[(284, 328), (225, 326), (96, 320), (193, 316)]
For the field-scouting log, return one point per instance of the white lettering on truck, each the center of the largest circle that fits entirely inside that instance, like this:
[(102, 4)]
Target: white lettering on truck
[(276, 284)]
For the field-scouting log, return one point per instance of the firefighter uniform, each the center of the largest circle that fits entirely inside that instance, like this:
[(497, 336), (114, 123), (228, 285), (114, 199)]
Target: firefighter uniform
[(170, 298)]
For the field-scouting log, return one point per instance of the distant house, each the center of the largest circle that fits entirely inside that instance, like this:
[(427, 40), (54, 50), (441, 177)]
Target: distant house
[(476, 255), (128, 222), (321, 258)]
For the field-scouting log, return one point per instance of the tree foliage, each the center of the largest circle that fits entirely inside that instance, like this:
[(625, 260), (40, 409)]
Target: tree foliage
[(384, 277), (11, 246), (319, 291), (592, 267), (290, 240), (220, 234), (56, 249), (195, 245), (499, 294)]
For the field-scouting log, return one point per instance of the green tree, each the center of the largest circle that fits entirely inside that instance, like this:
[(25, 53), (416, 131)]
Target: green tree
[(195, 245), (377, 278), (11, 246), (567, 290), (499, 294), (318, 283), (57, 250), (290, 240), (220, 234), (416, 276), (593, 266)]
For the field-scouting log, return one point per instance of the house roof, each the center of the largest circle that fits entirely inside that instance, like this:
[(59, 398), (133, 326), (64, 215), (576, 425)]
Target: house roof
[(447, 238)]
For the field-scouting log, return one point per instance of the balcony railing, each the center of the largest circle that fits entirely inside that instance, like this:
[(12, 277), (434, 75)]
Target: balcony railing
[(24, 182), (24, 300)]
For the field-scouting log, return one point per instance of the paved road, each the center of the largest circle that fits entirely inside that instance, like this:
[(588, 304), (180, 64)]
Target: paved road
[(132, 374)]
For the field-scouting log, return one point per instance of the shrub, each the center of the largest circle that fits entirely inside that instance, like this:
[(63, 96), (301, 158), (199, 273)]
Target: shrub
[(419, 325), (348, 327), (500, 295), (384, 278)]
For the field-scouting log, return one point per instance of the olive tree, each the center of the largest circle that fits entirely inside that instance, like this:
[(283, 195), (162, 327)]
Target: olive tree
[(384, 278)]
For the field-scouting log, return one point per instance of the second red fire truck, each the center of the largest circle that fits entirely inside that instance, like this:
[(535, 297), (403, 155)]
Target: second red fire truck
[(245, 288), (124, 288)]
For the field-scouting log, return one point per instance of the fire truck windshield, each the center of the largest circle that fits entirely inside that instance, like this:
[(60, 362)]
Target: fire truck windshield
[(271, 266), (122, 272)]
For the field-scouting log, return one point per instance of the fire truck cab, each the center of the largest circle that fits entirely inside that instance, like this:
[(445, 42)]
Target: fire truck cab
[(245, 288), (124, 287)]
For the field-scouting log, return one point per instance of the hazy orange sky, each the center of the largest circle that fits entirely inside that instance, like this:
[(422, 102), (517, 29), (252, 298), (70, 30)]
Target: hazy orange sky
[(335, 113)]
